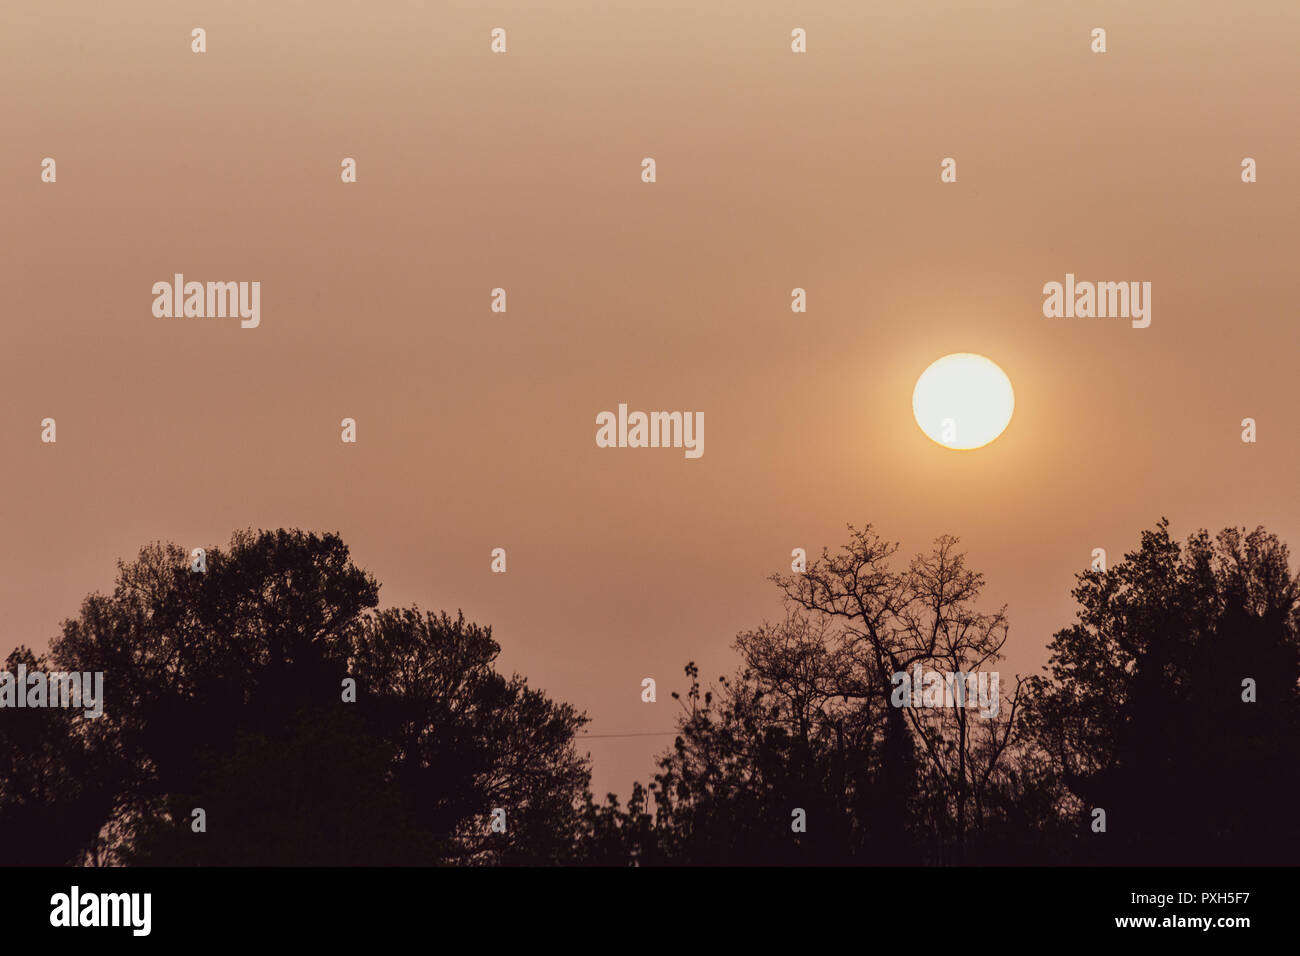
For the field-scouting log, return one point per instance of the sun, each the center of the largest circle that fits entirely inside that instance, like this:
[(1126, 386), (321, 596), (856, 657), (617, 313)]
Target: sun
[(963, 401)]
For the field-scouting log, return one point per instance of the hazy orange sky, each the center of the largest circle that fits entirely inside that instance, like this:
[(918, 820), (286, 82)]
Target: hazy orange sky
[(775, 170)]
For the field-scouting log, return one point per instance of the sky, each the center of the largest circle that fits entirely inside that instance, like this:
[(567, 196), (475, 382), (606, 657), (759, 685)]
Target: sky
[(522, 171)]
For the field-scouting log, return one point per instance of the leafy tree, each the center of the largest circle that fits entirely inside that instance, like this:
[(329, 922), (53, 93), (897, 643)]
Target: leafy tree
[(614, 836), (748, 756), (56, 781), (1141, 708), (465, 740), (224, 691), (193, 661)]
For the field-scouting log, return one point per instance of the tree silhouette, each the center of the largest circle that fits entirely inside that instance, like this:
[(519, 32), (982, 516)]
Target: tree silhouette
[(1142, 711), (224, 691), (892, 621), (1173, 704), (747, 758), (810, 724), (465, 740), (56, 780)]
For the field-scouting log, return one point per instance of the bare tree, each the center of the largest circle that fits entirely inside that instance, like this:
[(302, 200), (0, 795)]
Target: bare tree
[(892, 621)]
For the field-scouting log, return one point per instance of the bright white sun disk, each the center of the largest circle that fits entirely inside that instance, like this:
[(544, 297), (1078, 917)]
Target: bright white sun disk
[(963, 401)]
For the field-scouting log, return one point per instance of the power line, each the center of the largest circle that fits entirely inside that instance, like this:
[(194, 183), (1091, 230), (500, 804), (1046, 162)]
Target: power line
[(652, 733)]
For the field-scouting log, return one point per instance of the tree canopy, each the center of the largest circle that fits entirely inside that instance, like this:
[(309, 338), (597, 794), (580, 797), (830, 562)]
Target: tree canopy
[(226, 693), (266, 711)]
